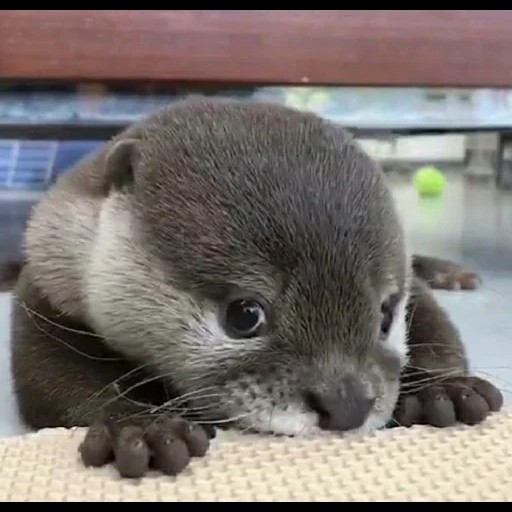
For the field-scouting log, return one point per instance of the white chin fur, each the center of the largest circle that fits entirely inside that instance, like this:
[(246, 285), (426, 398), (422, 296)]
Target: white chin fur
[(397, 338), (291, 421), (398, 335), (294, 422)]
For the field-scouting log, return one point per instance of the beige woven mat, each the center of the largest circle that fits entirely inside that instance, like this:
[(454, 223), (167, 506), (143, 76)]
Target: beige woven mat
[(418, 464)]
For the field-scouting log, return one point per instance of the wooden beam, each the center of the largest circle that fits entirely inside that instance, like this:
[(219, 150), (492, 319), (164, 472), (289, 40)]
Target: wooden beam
[(464, 48)]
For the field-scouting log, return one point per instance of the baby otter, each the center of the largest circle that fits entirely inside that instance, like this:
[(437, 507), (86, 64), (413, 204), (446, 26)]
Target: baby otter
[(226, 263)]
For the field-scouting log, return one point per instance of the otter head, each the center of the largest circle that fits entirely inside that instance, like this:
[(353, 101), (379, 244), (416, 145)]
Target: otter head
[(253, 256)]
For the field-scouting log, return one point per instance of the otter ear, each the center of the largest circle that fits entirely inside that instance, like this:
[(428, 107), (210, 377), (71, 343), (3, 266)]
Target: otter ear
[(119, 164)]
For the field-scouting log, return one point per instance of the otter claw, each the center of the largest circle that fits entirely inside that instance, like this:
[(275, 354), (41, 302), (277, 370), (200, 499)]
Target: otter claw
[(136, 446), (467, 400)]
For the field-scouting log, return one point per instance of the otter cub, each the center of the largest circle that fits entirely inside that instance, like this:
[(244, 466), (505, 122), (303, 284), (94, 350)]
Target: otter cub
[(230, 263)]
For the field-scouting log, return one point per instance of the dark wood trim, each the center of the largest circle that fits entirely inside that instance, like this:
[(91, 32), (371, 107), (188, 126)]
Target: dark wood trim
[(465, 48)]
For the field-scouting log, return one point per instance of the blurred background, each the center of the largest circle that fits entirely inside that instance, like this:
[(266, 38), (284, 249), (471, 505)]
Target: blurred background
[(44, 130)]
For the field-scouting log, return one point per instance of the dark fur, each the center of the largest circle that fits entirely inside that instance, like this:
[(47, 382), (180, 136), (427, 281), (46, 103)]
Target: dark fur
[(225, 205)]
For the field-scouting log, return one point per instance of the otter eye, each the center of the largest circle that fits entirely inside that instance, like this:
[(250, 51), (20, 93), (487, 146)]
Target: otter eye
[(386, 310), (244, 318)]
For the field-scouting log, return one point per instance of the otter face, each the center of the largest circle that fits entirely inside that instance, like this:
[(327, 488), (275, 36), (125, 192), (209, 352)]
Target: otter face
[(255, 259)]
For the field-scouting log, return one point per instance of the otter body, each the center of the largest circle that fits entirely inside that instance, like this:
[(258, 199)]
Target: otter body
[(229, 263)]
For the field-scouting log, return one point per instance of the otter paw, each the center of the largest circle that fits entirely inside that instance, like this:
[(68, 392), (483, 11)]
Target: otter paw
[(467, 400), (135, 447), (455, 277)]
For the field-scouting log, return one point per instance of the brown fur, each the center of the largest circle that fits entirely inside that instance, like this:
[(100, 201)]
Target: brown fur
[(9, 273), (134, 254)]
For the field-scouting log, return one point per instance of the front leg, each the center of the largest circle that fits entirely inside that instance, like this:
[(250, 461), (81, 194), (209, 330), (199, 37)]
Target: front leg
[(64, 376), (437, 386)]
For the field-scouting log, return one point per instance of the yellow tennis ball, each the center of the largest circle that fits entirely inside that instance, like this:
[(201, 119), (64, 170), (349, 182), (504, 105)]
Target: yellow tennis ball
[(429, 181)]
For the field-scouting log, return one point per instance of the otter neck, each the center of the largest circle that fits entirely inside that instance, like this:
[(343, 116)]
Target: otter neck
[(59, 241)]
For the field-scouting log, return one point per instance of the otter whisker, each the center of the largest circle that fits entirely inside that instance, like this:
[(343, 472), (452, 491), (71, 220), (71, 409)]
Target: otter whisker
[(192, 394), (231, 419), (129, 399), (171, 407), (433, 378), (436, 372), (410, 317), (433, 371), (116, 382), (436, 349), (167, 409), (419, 377), (491, 376), (155, 408), (114, 385), (56, 324), (68, 345)]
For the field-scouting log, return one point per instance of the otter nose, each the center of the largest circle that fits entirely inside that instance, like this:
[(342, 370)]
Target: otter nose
[(343, 408)]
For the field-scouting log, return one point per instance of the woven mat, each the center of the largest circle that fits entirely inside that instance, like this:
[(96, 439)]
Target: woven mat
[(417, 464)]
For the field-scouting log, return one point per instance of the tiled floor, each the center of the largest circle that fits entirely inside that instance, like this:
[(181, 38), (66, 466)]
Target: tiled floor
[(471, 223)]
